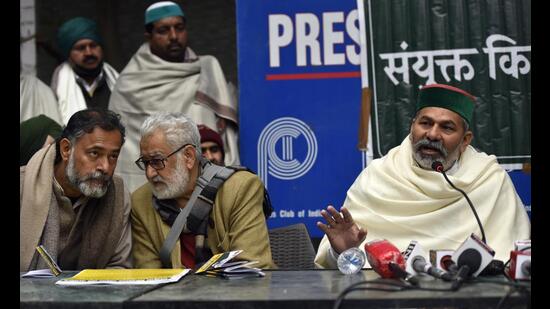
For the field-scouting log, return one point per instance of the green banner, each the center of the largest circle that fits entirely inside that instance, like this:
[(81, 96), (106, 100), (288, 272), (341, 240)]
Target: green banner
[(483, 47)]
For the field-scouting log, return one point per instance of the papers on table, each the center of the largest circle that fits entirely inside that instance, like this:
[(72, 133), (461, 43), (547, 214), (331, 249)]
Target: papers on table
[(39, 273), (124, 277), (220, 266)]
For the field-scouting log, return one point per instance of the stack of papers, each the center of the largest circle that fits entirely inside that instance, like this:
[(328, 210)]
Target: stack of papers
[(39, 273), (124, 277), (220, 266)]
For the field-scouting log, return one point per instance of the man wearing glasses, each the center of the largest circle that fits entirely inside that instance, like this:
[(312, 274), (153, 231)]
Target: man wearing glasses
[(172, 163), (70, 202)]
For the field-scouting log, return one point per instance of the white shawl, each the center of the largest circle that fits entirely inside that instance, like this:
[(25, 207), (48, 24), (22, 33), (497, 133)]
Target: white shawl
[(36, 98), (69, 95), (148, 85), (395, 199)]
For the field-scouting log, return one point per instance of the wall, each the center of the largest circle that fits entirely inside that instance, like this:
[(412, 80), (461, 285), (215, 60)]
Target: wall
[(211, 26)]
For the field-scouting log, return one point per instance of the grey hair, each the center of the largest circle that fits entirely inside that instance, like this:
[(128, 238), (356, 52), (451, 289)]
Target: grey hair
[(177, 127)]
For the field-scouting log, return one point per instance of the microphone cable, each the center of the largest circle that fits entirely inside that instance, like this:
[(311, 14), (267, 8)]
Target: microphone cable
[(387, 285), (438, 167)]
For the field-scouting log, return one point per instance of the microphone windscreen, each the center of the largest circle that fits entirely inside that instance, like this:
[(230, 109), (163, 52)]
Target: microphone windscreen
[(437, 166), (470, 257), (380, 253)]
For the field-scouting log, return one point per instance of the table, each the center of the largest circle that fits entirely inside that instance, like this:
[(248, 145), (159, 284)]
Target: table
[(44, 293), (301, 289)]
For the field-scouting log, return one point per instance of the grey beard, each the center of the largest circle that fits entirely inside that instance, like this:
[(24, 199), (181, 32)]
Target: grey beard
[(172, 187), (82, 183), (444, 157)]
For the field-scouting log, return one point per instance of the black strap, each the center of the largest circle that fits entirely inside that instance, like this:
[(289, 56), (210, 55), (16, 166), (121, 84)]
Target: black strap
[(196, 216)]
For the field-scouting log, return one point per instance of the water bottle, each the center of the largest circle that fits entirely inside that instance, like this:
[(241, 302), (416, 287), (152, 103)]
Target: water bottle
[(351, 261)]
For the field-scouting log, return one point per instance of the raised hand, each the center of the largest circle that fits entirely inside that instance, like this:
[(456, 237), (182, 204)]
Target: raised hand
[(342, 232)]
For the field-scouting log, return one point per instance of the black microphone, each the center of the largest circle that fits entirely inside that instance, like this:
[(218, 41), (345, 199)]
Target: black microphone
[(438, 167), (526, 267), (461, 276), (448, 264)]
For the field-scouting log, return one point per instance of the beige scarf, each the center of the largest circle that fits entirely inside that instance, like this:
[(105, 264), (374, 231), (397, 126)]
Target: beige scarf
[(34, 199), (93, 238), (395, 199), (148, 85)]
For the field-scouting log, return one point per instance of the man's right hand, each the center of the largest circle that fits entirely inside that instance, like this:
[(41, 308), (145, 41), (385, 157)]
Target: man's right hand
[(342, 232)]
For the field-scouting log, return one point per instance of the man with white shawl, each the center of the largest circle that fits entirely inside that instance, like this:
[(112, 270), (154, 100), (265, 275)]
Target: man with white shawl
[(84, 80), (35, 99), (400, 198), (166, 75)]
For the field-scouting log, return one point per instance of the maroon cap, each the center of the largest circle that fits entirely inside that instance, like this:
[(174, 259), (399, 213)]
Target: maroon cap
[(209, 135)]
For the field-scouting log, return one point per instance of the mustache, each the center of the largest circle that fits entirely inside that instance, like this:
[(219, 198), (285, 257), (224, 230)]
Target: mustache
[(437, 145), (175, 44), (90, 58), (97, 175), (157, 179)]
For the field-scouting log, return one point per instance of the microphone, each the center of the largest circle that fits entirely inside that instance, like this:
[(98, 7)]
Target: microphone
[(416, 262), (526, 267), (442, 259), (387, 261), (520, 265), (461, 276), (438, 167), (473, 253)]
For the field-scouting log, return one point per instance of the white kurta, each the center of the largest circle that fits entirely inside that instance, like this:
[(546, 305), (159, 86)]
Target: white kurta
[(148, 85), (395, 199)]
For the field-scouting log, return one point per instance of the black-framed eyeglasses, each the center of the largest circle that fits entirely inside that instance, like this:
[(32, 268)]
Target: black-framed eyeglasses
[(157, 163)]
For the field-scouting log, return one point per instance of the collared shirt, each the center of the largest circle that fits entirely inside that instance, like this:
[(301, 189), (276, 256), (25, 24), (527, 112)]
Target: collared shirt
[(90, 88)]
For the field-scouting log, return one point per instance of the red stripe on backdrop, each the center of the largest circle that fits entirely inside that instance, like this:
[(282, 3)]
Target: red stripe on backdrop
[(313, 75)]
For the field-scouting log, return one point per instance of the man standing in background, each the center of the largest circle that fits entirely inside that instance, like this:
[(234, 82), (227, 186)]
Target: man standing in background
[(166, 75), (84, 80)]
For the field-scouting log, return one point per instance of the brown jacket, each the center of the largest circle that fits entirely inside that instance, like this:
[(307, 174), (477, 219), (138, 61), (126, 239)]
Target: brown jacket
[(238, 218)]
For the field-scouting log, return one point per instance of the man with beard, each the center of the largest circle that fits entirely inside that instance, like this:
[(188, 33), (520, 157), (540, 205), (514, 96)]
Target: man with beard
[(172, 161), (166, 75), (84, 80), (400, 198), (71, 203)]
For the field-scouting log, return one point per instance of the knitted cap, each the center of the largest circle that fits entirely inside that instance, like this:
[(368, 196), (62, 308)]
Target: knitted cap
[(74, 30), (209, 135), (449, 97), (32, 135), (161, 10)]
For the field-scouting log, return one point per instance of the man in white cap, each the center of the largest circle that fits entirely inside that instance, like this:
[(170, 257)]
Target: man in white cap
[(166, 75), (84, 80)]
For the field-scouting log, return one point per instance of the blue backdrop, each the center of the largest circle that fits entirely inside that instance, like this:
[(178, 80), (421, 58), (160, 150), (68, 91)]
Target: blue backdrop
[(299, 102)]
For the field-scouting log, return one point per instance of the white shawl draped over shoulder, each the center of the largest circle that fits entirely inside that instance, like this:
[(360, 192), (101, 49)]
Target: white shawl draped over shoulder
[(395, 199), (69, 95), (36, 98), (148, 85)]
